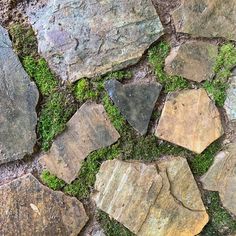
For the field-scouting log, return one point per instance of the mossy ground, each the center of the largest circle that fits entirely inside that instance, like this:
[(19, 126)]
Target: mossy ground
[(57, 107)]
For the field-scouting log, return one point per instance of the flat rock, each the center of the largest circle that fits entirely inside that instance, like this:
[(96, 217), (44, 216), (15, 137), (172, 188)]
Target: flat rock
[(190, 119), (85, 38), (206, 18), (151, 199), (221, 177), (230, 102), (88, 130), (18, 100), (28, 208), (135, 101), (192, 60)]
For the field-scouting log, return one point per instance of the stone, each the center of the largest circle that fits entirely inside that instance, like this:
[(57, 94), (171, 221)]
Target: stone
[(221, 177), (206, 18), (230, 102), (160, 198), (190, 119), (192, 60), (88, 130), (18, 100), (135, 101), (86, 38), (29, 208)]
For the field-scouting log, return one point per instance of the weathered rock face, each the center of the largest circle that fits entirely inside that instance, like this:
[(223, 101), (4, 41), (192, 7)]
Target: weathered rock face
[(207, 18), (230, 102), (29, 208), (88, 130), (151, 199), (192, 60), (190, 119), (135, 101), (84, 38), (18, 99), (221, 177)]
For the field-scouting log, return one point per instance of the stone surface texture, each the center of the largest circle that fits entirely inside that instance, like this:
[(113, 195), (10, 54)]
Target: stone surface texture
[(192, 60), (135, 101), (221, 177), (230, 102), (84, 38), (28, 208), (151, 199), (88, 130), (190, 119), (206, 18), (18, 100)]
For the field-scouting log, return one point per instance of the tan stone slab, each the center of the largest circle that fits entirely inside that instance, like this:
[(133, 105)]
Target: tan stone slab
[(151, 199), (190, 119), (192, 60), (88, 130), (28, 208)]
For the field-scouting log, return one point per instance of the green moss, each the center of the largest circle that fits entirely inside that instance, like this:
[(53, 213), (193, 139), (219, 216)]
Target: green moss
[(156, 58), (51, 180), (112, 227)]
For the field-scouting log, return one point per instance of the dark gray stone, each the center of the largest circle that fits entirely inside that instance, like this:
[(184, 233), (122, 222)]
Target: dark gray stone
[(135, 101), (18, 99)]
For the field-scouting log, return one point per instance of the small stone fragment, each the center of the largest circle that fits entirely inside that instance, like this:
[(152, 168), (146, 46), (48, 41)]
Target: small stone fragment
[(135, 101), (230, 102), (88, 130), (206, 18), (192, 60), (221, 177), (151, 199), (190, 119), (18, 100), (29, 208)]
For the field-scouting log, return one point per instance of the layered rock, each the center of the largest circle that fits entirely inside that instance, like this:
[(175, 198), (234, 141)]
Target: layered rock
[(192, 60), (18, 100), (84, 38), (88, 130), (135, 101), (206, 18), (151, 199), (29, 208), (190, 119), (221, 177)]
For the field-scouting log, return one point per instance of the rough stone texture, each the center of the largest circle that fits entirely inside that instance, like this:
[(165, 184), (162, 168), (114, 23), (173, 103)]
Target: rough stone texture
[(88, 130), (18, 99), (135, 101), (28, 208), (206, 18), (151, 199), (84, 38), (230, 102), (192, 60), (190, 119), (221, 177)]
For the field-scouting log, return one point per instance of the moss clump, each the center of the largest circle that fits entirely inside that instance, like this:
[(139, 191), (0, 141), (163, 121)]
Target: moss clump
[(156, 58), (51, 180)]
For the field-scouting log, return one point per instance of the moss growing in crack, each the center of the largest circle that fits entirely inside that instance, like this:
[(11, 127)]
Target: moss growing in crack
[(156, 58)]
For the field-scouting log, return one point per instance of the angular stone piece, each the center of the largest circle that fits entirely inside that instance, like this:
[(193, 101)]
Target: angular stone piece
[(151, 199), (190, 119), (88, 130), (135, 101), (84, 38), (18, 100), (29, 208), (192, 60), (230, 102), (221, 177), (206, 18)]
